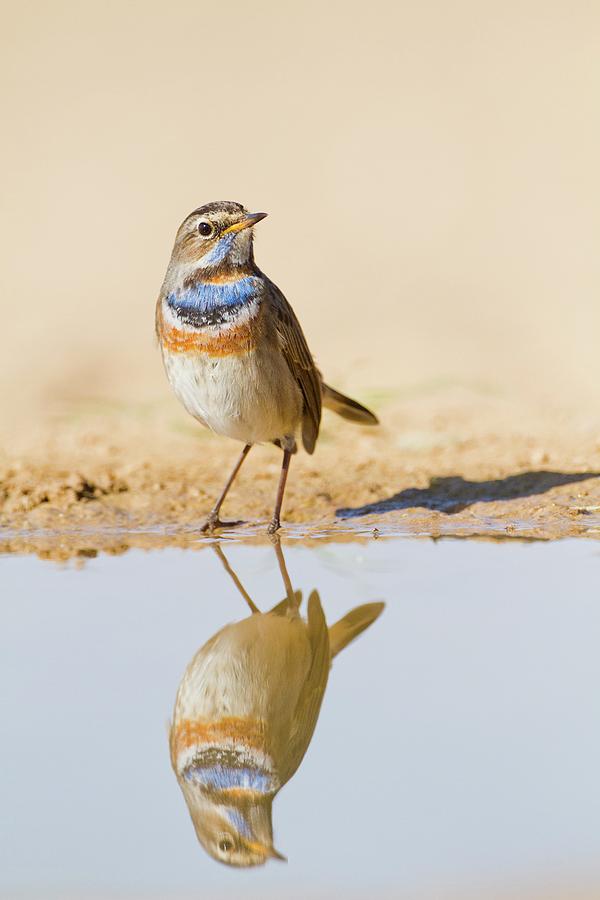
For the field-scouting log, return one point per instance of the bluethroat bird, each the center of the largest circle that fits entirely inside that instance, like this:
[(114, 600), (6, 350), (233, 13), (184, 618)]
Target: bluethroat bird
[(233, 349), (245, 713)]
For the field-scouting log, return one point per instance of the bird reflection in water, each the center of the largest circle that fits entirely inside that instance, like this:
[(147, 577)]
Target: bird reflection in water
[(245, 713)]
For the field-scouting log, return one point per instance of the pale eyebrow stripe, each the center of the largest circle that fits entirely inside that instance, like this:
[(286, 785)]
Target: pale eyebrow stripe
[(196, 212)]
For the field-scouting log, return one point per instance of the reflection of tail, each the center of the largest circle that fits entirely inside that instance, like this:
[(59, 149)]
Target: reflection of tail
[(344, 631), (346, 407), (352, 625)]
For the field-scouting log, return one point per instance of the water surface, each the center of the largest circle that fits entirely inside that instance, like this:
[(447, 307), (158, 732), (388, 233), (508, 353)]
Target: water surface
[(456, 751)]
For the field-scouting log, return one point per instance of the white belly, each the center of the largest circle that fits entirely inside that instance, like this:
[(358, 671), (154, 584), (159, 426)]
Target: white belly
[(251, 398), (255, 668)]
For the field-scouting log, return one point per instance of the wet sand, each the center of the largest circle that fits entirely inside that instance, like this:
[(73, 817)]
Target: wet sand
[(446, 461)]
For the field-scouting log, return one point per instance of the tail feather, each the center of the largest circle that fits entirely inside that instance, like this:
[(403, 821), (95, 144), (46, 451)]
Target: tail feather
[(352, 624), (346, 407)]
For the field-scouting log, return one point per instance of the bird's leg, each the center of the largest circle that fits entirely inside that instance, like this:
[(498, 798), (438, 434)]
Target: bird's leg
[(289, 590), (236, 580), (285, 466), (213, 520)]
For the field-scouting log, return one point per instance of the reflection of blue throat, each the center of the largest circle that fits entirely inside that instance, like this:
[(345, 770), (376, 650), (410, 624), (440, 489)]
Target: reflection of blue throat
[(221, 778), (238, 821), (207, 303)]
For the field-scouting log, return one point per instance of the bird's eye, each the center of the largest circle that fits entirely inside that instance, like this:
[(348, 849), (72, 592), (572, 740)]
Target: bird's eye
[(225, 845), (205, 229)]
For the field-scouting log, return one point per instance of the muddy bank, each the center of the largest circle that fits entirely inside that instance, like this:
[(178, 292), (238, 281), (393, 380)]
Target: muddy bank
[(457, 464)]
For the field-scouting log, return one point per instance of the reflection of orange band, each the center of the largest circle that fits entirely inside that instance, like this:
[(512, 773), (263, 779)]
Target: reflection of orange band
[(188, 732), (236, 340), (230, 795)]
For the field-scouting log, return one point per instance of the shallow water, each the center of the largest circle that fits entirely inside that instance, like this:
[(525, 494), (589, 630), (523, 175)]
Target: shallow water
[(456, 751)]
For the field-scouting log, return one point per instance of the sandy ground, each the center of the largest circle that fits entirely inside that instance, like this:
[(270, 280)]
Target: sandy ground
[(446, 461)]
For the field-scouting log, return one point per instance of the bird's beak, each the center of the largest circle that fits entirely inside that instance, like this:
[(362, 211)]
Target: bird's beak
[(247, 222), (275, 854)]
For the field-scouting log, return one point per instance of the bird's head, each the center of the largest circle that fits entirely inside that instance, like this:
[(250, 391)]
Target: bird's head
[(237, 832), (216, 235)]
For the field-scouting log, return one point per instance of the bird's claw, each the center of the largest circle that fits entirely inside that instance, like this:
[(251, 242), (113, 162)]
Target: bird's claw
[(214, 523), (274, 526)]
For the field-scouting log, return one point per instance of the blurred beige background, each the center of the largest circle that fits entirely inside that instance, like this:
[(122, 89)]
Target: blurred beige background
[(431, 171)]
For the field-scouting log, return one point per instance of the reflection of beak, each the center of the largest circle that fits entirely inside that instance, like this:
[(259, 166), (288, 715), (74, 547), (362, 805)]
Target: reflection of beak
[(265, 851), (247, 222)]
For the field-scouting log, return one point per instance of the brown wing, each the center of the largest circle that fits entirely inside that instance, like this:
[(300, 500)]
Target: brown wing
[(302, 366), (309, 702)]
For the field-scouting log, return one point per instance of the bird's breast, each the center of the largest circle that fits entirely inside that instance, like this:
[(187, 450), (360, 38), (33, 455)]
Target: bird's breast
[(212, 318)]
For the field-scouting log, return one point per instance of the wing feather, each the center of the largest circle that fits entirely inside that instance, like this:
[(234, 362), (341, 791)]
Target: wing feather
[(311, 696), (302, 365)]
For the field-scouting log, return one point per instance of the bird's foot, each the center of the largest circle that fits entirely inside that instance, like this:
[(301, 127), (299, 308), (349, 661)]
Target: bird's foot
[(214, 523), (274, 526)]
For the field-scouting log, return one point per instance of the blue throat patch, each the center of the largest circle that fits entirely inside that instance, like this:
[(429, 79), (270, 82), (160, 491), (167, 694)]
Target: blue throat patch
[(207, 303), (221, 250)]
